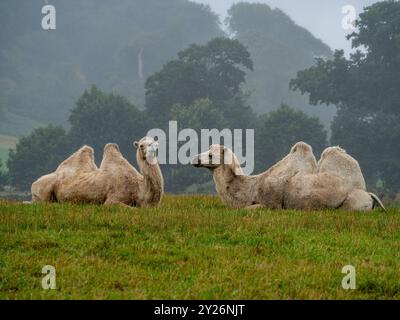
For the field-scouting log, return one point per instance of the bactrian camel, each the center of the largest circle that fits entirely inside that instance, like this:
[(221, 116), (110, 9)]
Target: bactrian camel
[(295, 182), (77, 179)]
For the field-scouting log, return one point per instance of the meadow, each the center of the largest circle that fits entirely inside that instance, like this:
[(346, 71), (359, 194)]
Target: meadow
[(194, 247)]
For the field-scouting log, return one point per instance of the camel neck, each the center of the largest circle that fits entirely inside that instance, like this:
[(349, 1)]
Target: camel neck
[(235, 190), (153, 184)]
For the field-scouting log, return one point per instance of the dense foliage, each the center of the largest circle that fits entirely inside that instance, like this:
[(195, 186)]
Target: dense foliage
[(37, 154), (213, 70), (279, 130), (100, 118)]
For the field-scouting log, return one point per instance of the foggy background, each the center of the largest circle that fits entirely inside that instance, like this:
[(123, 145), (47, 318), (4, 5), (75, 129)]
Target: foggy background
[(322, 17)]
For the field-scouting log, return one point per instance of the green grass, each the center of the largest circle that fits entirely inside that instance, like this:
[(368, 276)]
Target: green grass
[(193, 247)]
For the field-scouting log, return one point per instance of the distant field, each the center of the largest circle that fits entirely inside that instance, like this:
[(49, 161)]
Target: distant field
[(193, 247), (6, 143)]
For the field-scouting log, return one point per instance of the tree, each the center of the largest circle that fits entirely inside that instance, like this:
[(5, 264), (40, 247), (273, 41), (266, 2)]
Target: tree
[(201, 89), (37, 154), (279, 130), (365, 90), (213, 71), (100, 118), (199, 115), (3, 176)]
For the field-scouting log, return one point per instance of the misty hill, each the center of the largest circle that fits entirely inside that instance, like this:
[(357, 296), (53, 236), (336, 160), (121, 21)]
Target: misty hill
[(279, 48), (43, 73)]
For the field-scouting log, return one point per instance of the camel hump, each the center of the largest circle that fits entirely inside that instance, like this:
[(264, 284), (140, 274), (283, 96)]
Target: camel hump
[(332, 151), (338, 157), (87, 149), (111, 146), (301, 147), (112, 156), (111, 151), (337, 161), (84, 154), (302, 158)]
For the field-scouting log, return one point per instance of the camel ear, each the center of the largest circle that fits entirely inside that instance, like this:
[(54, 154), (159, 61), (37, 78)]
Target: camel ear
[(136, 144)]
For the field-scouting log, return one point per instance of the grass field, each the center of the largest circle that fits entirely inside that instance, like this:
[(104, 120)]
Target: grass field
[(193, 247)]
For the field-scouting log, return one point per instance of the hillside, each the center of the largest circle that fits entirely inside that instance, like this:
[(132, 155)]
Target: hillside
[(42, 73), (279, 48)]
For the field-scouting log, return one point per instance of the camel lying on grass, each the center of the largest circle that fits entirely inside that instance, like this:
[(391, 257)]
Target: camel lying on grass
[(77, 179), (295, 182)]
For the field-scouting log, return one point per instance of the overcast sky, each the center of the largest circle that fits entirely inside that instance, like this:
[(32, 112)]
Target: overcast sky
[(322, 17)]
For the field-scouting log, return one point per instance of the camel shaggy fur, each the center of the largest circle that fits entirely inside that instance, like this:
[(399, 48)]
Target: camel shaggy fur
[(77, 179), (292, 183)]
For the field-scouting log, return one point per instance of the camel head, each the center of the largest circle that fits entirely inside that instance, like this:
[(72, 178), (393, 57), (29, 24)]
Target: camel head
[(217, 156), (147, 149)]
